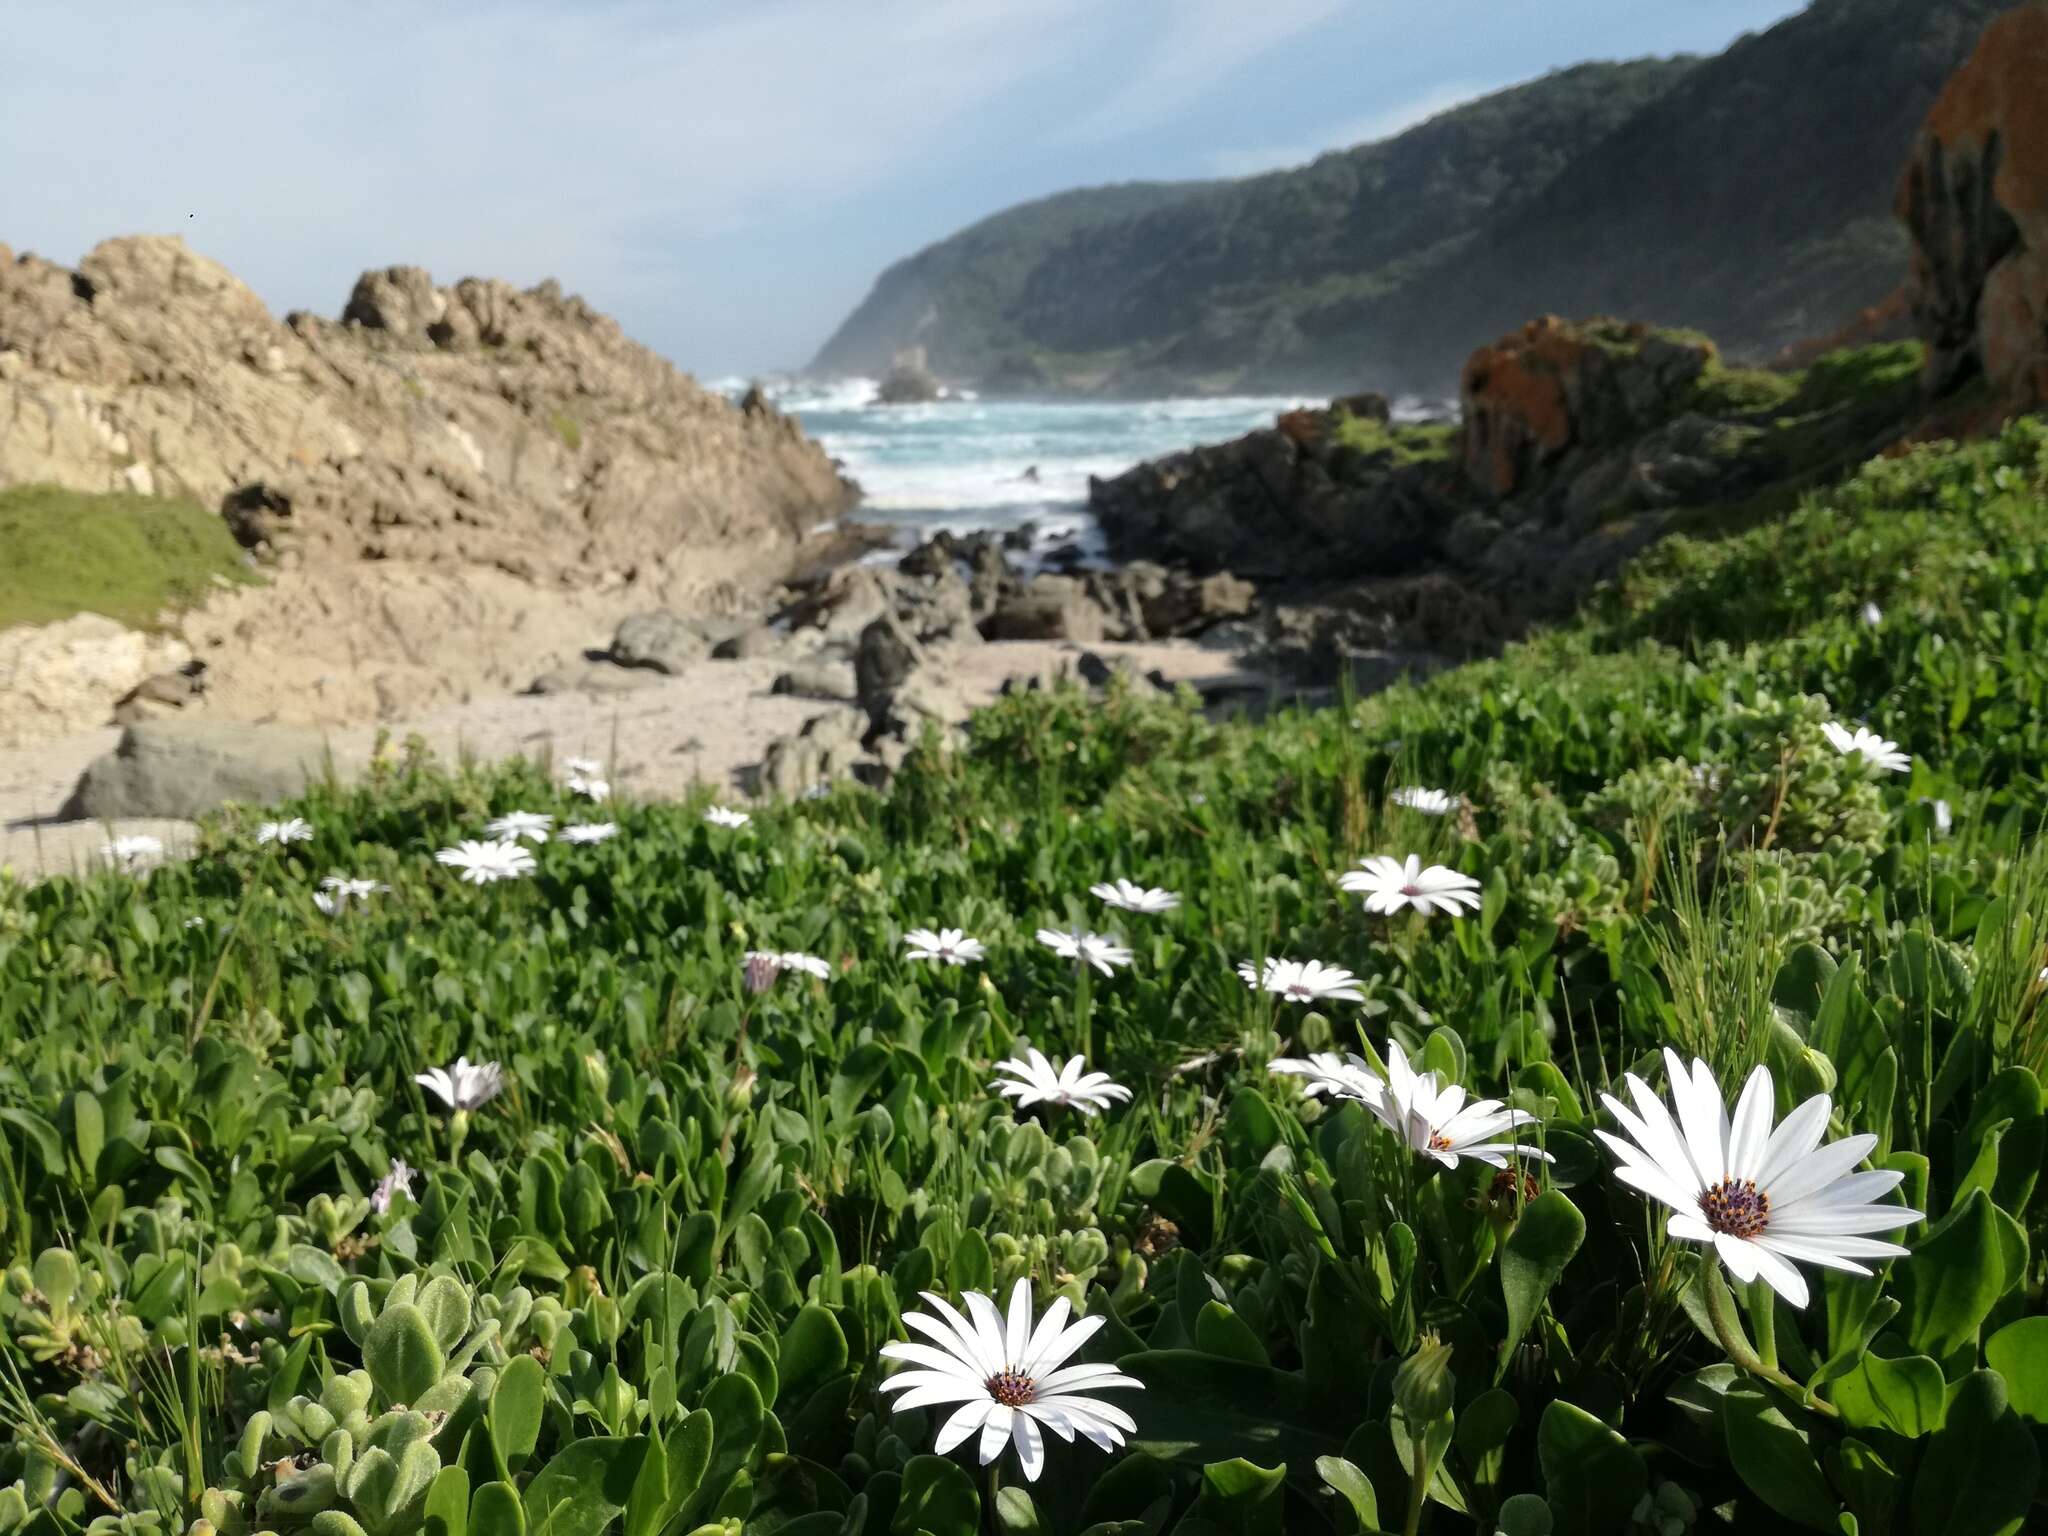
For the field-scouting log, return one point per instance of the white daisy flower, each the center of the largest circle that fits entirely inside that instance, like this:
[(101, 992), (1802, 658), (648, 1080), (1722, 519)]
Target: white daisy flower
[(194, 922), (1099, 950), (132, 852), (1766, 1200), (295, 830), (1302, 981), (464, 1086), (1129, 896), (482, 862), (1033, 1079), (589, 786), (1944, 817), (1010, 1379), (590, 831), (1868, 745), (397, 1182), (1872, 615), (719, 816), (1431, 802), (1436, 1122), (948, 946), (343, 889), (774, 961), (531, 825), (329, 903), (1332, 1076), (1388, 885)]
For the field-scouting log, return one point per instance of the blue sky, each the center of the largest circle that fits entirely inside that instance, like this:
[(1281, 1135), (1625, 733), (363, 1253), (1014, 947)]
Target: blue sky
[(726, 179)]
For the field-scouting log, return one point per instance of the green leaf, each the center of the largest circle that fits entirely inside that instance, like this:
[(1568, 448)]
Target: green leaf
[(585, 1487), (496, 1511), (2019, 1353), (1591, 1476), (1220, 1331), (813, 1347), (1953, 1279), (515, 1412), (49, 1145), (937, 1497), (1203, 1408), (1869, 1487), (974, 1269), (736, 1413), (447, 1512), (1905, 1395), (1980, 1473), (1533, 1258), (1016, 1515), (401, 1354), (1774, 1457), (1241, 1497), (1355, 1488), (444, 1302), (1525, 1514)]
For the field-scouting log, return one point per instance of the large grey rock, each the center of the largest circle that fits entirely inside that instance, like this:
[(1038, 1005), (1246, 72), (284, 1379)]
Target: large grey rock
[(664, 642), (65, 677), (185, 768), (1050, 608), (824, 678), (827, 747)]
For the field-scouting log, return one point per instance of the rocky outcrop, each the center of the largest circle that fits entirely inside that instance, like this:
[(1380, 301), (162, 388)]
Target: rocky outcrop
[(1552, 395), (450, 476), (65, 677), (1276, 504), (909, 381), (1974, 197)]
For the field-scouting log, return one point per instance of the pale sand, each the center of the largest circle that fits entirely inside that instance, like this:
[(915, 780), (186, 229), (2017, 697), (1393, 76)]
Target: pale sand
[(701, 727)]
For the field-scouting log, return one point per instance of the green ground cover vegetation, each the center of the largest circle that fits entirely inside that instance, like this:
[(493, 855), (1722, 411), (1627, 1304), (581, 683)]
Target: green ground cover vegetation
[(646, 1286)]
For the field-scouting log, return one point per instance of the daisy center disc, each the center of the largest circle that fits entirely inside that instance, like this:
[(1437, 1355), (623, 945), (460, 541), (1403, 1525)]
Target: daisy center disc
[(1736, 1207), (1439, 1142), (1013, 1389)]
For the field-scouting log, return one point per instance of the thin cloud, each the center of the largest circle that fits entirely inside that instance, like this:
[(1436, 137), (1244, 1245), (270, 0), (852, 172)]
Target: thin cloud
[(1370, 129), (1200, 43)]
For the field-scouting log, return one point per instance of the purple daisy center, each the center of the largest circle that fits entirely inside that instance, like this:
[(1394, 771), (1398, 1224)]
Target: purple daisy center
[(1737, 1208), (1012, 1388)]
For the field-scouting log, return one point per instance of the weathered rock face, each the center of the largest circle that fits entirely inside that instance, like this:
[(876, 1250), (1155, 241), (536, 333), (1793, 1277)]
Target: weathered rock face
[(910, 382), (65, 677), (454, 472), (1534, 396), (1974, 197)]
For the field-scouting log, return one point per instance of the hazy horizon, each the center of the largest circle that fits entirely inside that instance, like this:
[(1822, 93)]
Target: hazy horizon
[(728, 186)]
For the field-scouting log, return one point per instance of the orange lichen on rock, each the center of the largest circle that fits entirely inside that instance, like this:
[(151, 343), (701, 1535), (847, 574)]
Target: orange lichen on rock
[(1556, 385), (1974, 197)]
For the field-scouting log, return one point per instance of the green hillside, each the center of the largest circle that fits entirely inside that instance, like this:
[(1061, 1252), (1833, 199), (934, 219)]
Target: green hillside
[(1748, 195)]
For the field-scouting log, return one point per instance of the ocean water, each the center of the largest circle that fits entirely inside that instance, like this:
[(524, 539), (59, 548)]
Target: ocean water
[(966, 464)]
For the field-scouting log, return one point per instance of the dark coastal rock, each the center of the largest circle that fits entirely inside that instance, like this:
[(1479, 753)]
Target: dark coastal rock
[(1049, 608), (910, 382), (1277, 504)]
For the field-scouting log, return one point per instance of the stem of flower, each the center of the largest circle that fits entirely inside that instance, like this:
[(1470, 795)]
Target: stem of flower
[(1720, 1312), (1084, 1009), (1763, 1321), (995, 1486), (1418, 1490)]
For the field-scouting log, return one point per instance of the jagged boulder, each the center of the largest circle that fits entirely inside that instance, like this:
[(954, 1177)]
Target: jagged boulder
[(659, 641), (1048, 608), (1542, 400), (1974, 198), (909, 382)]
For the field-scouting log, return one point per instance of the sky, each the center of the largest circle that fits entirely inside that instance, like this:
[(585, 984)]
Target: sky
[(726, 178)]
